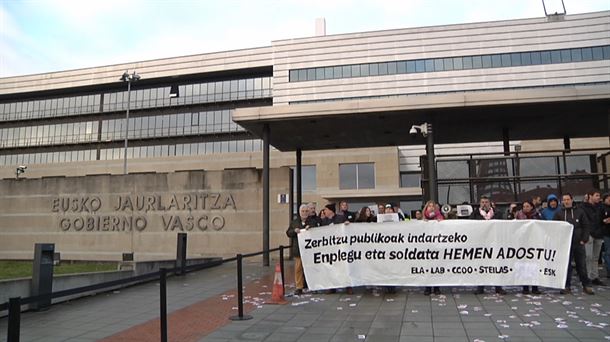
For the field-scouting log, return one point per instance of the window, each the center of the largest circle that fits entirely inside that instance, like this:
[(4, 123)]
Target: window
[(357, 176), (410, 179), (308, 178)]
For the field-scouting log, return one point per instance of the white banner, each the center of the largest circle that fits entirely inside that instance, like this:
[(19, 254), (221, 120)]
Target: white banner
[(451, 252)]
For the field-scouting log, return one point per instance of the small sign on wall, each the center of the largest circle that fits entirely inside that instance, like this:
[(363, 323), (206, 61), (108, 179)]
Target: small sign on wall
[(283, 198)]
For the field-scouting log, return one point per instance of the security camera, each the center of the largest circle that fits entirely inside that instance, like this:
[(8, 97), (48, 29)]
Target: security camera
[(20, 170), (423, 128)]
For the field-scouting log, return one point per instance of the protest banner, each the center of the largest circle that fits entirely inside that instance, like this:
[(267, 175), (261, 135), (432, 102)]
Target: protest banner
[(450, 252)]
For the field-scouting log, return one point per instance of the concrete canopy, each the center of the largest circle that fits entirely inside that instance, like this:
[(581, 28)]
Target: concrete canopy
[(528, 114)]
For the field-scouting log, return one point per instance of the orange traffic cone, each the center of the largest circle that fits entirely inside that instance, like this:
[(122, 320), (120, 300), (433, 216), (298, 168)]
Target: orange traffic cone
[(277, 296)]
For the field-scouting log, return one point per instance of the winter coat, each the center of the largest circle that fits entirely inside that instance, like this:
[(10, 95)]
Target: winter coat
[(476, 215), (594, 217), (548, 213), (605, 215), (533, 215), (578, 219), (294, 241)]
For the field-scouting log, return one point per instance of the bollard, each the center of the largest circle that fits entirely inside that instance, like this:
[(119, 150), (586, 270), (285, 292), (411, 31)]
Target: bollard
[(42, 274), (240, 294), (180, 254), (282, 268), (163, 303), (14, 319)]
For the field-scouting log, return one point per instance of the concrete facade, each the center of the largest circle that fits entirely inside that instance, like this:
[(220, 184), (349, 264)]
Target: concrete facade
[(101, 217)]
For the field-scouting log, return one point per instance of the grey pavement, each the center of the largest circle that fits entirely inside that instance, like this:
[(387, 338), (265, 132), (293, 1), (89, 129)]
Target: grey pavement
[(96, 317), (457, 315)]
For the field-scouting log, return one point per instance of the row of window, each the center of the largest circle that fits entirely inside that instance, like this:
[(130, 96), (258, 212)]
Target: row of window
[(511, 166), (240, 89), (171, 125), (139, 127), (499, 60), (454, 186), (249, 145), (62, 106), (48, 157), (65, 133), (221, 91), (213, 147)]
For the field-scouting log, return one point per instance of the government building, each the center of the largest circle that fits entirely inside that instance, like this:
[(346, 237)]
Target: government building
[(507, 109)]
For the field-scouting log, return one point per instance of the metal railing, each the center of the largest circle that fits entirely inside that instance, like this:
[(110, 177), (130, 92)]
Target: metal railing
[(14, 304)]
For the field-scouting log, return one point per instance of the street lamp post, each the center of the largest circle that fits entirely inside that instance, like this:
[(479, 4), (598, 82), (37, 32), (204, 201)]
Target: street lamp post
[(426, 130), (128, 78)]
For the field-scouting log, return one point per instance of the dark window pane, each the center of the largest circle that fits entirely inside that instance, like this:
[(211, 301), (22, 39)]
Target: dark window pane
[(451, 169), (429, 65), (383, 68), (328, 73), (506, 60), (486, 61), (541, 188), (364, 70), (302, 75), (526, 58), (366, 176), (410, 179), (346, 71), (566, 56), (555, 56), (438, 64), (598, 53), (497, 167), (498, 191), (420, 66), (538, 166), (536, 58), (401, 67), (448, 64), (496, 61), (576, 55), (319, 73), (347, 176), (311, 74), (545, 57), (457, 63), (587, 54), (467, 62), (356, 70), (515, 59), (606, 51), (392, 68), (410, 67), (373, 69), (578, 165), (337, 73), (454, 193)]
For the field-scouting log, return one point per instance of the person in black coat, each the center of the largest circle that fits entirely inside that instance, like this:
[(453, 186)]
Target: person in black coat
[(580, 236), (593, 210), (486, 212)]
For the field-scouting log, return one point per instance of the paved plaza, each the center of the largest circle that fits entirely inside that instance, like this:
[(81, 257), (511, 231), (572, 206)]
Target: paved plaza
[(200, 304)]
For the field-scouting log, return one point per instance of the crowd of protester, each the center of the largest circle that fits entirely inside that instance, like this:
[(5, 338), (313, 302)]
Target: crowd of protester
[(591, 221)]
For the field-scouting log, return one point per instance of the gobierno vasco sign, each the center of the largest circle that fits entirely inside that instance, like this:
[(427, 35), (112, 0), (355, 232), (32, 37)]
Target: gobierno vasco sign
[(195, 211)]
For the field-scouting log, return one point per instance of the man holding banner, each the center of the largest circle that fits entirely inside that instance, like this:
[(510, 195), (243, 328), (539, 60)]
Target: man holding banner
[(580, 235), (304, 221)]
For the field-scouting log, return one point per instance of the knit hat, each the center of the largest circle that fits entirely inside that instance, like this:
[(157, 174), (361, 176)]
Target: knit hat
[(331, 207)]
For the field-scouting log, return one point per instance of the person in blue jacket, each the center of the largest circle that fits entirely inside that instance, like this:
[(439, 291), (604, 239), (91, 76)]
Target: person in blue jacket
[(552, 207)]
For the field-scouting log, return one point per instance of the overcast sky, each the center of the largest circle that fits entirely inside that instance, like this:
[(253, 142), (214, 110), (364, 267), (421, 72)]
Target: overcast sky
[(40, 36)]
